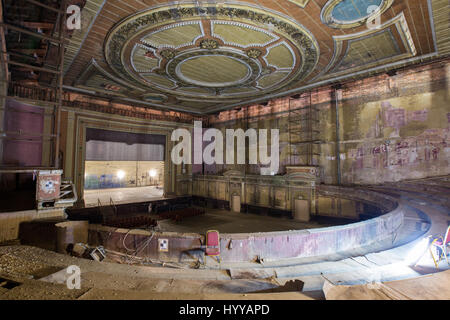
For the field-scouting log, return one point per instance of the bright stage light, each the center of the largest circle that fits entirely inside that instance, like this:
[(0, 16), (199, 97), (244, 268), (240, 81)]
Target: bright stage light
[(121, 174), (152, 173)]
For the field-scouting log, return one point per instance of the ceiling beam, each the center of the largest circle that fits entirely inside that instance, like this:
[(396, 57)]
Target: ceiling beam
[(39, 52), (31, 33), (38, 25), (37, 3), (14, 63), (4, 57)]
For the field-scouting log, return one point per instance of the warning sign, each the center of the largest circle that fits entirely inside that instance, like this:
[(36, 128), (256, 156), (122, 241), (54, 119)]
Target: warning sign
[(163, 245)]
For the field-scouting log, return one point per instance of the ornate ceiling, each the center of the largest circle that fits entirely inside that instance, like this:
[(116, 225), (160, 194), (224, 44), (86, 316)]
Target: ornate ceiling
[(205, 56)]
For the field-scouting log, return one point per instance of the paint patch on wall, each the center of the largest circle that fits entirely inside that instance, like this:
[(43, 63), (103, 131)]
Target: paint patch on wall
[(421, 115), (394, 118)]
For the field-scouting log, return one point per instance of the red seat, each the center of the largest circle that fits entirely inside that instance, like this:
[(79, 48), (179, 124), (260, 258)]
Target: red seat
[(212, 243)]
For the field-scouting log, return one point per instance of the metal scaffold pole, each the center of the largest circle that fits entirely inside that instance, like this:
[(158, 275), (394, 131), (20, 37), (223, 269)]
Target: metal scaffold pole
[(62, 33), (53, 94)]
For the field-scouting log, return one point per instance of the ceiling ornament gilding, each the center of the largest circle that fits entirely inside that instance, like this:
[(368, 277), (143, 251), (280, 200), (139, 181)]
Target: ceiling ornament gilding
[(301, 3), (355, 52)]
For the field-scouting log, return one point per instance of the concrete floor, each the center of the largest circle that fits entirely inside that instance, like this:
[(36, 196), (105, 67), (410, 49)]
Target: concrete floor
[(233, 222), (122, 195)]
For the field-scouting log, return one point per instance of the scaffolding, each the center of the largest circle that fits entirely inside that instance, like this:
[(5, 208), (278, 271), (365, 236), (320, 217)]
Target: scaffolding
[(303, 131), (18, 59)]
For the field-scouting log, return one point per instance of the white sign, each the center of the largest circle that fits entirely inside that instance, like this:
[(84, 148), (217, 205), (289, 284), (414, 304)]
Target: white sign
[(213, 153), (163, 245)]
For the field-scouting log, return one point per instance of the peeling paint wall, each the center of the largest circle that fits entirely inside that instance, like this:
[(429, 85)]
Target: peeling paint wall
[(391, 128), (396, 128), (396, 139)]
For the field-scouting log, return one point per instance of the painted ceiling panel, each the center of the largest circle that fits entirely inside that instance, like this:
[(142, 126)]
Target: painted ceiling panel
[(159, 80), (280, 56), (272, 79), (368, 50), (353, 10), (389, 43), (174, 36), (141, 60), (241, 34), (353, 13), (203, 70)]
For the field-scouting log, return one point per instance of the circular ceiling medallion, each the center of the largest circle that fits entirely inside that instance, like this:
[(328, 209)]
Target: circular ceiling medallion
[(352, 13), (200, 71), (217, 53)]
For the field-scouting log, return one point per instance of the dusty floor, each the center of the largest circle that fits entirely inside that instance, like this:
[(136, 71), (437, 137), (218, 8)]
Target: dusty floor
[(27, 269), (32, 273), (233, 222), (122, 195)]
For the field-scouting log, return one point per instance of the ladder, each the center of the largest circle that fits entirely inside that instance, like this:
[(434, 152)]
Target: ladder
[(303, 122)]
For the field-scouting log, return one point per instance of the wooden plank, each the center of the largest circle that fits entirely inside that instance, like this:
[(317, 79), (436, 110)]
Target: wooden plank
[(39, 52), (37, 3), (33, 67), (31, 33), (38, 25), (4, 56)]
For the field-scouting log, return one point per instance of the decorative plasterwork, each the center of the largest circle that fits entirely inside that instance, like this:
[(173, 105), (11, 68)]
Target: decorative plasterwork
[(332, 21), (244, 69), (144, 59), (154, 97), (243, 34), (98, 79), (174, 51), (282, 60), (366, 47), (366, 50), (440, 22), (175, 33), (301, 3)]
